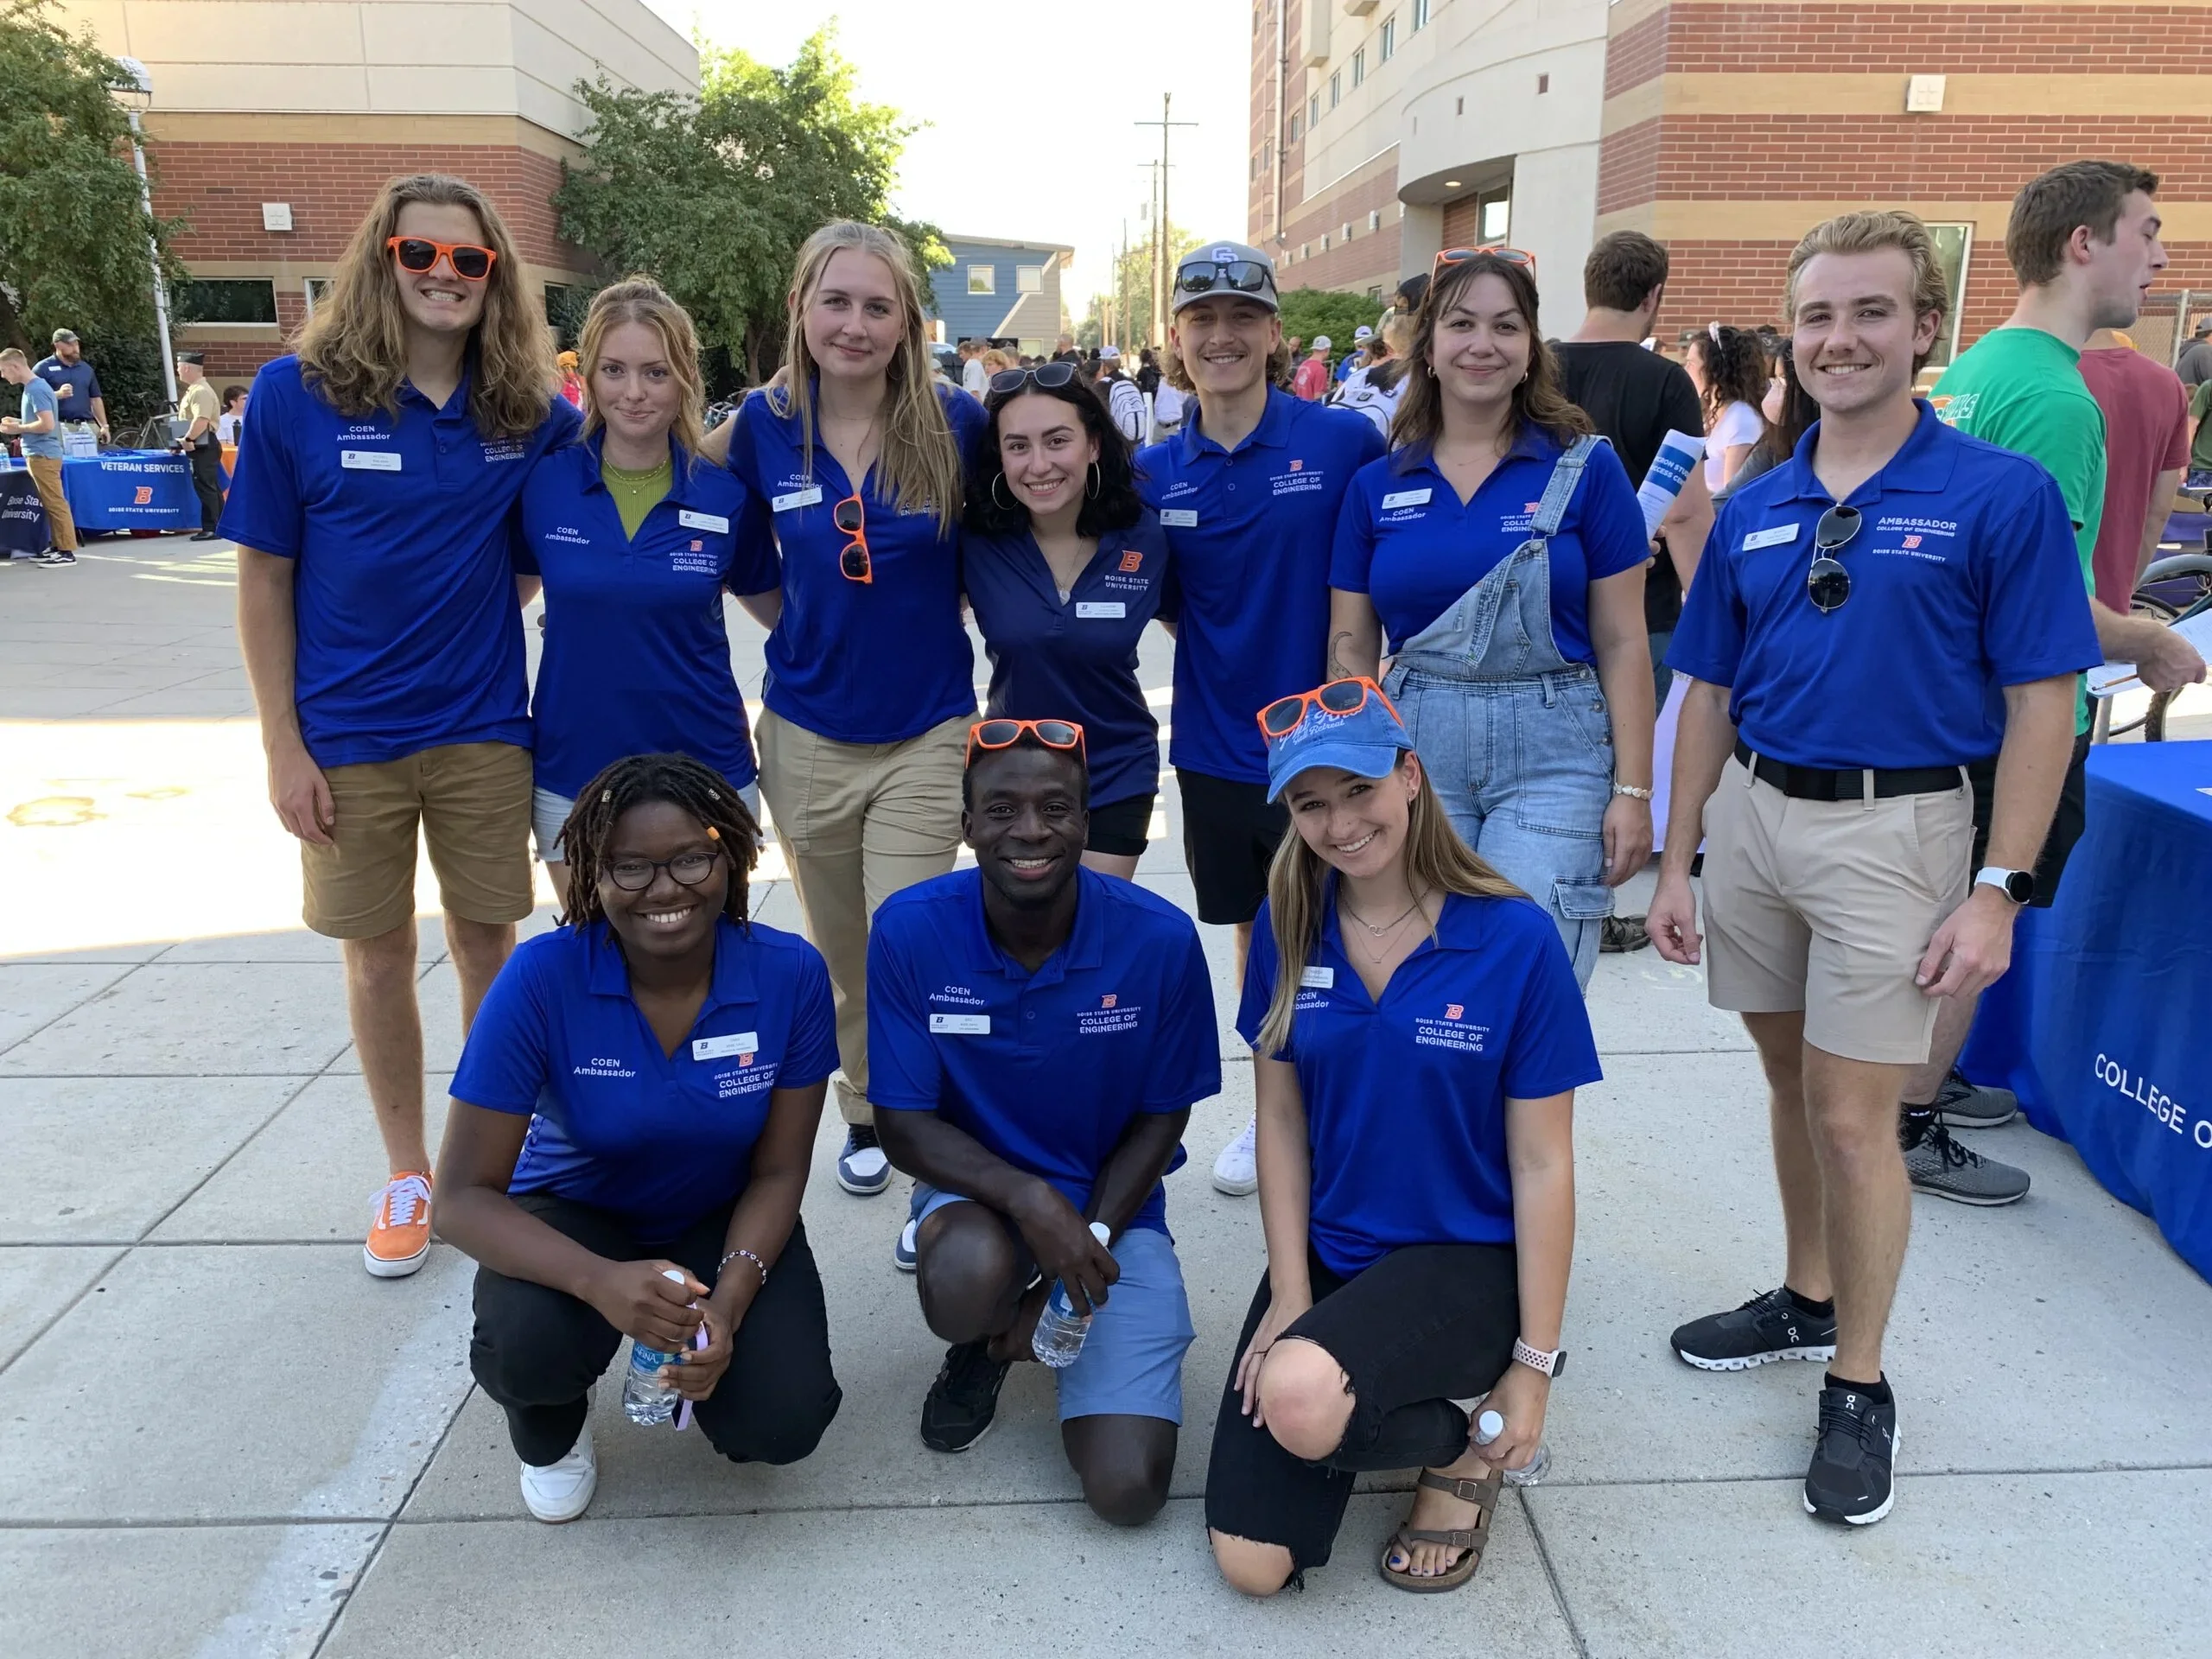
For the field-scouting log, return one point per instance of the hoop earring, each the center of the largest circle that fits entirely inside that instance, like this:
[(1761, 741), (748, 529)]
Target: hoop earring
[(1090, 484), (998, 479)]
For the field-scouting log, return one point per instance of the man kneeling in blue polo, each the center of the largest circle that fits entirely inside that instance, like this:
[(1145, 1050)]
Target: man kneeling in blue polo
[(1038, 1033)]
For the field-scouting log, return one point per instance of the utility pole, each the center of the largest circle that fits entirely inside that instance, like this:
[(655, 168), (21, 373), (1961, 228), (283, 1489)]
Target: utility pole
[(1162, 268)]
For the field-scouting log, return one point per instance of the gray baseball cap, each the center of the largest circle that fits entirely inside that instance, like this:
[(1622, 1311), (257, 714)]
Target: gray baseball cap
[(1233, 269), (64, 337)]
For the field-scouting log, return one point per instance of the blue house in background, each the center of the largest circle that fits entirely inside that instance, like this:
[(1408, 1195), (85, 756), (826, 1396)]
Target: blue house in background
[(1001, 290)]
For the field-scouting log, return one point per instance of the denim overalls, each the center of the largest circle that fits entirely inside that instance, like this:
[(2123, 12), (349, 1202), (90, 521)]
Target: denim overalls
[(1515, 737)]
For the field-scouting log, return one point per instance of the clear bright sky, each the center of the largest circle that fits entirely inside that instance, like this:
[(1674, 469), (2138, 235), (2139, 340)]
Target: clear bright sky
[(1035, 142)]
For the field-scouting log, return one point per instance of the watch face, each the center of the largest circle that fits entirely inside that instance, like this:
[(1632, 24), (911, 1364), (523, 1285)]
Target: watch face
[(2020, 887)]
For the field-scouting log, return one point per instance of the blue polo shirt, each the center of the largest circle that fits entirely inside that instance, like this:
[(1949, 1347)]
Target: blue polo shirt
[(1076, 659), (875, 662), (1405, 1098), (409, 635), (1964, 579), (637, 652), (615, 1122), (1405, 539), (1047, 1070), (1250, 529), (84, 385)]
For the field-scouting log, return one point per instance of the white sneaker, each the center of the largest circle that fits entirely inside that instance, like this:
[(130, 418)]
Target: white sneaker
[(561, 1491), (1236, 1172)]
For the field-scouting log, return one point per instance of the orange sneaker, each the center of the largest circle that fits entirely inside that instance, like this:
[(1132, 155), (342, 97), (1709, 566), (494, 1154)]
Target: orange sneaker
[(399, 1237)]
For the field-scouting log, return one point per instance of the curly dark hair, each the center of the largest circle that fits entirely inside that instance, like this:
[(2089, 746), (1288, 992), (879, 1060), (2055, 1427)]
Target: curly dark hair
[(992, 509), (642, 780), (1733, 364), (1538, 401)]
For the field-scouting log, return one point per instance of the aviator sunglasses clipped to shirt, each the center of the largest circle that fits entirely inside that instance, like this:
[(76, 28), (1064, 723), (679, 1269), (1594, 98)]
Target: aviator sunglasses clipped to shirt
[(418, 254), (1340, 697), (1827, 582)]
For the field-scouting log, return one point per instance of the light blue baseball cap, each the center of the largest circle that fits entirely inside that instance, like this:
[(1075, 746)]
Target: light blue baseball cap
[(1366, 740)]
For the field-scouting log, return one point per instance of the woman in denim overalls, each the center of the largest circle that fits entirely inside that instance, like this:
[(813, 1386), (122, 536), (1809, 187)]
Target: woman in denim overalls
[(1529, 694)]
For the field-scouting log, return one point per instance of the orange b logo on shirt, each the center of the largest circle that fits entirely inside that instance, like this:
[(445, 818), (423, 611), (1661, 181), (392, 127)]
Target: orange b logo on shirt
[(1131, 562), (1454, 1010), (144, 496), (1108, 1000)]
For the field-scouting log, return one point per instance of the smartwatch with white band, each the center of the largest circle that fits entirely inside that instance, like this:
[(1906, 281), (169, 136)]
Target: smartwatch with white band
[(2018, 886), (1551, 1364)]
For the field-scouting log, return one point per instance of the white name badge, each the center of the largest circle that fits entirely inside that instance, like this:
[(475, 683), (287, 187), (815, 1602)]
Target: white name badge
[(961, 1025), (1105, 609), (1406, 499), (1180, 517), (369, 460), (1775, 537), (714, 521), (1319, 979), (806, 498), (714, 1048)]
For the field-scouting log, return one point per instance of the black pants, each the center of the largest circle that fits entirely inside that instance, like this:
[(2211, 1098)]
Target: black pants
[(207, 482), (1420, 1328), (536, 1349)]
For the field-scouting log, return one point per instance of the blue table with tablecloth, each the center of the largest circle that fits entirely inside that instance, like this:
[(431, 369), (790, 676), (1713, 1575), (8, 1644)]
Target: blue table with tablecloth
[(2103, 1026), (115, 490)]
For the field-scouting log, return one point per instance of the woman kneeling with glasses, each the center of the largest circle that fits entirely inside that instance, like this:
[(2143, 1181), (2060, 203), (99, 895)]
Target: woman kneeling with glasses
[(1418, 1037), (629, 1139)]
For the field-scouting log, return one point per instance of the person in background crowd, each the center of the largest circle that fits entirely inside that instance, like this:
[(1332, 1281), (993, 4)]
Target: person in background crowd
[(1248, 494), (1728, 366), (226, 425), (2147, 454), (199, 411), (1312, 381), (1794, 414), (995, 361), (637, 1097), (860, 456), (1049, 1101), (635, 544), (76, 386), (2200, 439), (572, 384), (378, 620), (1839, 686), (1357, 358), (1124, 403), (1516, 632), (1064, 349), (1375, 389), (38, 427), (2194, 364), (1148, 371), (1415, 1259), (2083, 243), (1169, 406), (974, 377)]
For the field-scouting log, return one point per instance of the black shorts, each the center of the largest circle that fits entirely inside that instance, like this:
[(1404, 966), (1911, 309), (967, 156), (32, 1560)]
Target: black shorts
[(1119, 826), (2066, 824), (1424, 1326), (1231, 831)]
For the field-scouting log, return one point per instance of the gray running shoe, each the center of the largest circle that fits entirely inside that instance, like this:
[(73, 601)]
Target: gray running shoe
[(1963, 1105), (1940, 1166)]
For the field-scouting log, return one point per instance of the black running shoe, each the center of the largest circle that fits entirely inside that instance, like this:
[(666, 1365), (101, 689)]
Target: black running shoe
[(965, 1398), (1767, 1327), (1850, 1480)]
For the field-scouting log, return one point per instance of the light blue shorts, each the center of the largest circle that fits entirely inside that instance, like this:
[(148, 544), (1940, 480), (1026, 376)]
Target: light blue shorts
[(549, 811), (1132, 1362)]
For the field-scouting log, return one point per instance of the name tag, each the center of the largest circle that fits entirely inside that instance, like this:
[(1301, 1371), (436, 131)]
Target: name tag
[(1180, 517), (369, 460), (1775, 537), (714, 1048), (1319, 979), (1102, 608), (714, 521), (961, 1025), (1406, 499), (806, 498)]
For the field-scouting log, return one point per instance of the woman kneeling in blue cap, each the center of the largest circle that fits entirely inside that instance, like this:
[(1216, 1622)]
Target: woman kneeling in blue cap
[(1418, 1037)]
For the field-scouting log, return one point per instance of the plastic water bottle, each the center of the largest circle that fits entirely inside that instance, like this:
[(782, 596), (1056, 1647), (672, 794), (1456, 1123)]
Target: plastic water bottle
[(1488, 1427), (646, 1399), (1670, 469), (1059, 1331)]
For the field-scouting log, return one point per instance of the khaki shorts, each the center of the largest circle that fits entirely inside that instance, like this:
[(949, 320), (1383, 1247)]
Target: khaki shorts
[(471, 801), (1827, 906)]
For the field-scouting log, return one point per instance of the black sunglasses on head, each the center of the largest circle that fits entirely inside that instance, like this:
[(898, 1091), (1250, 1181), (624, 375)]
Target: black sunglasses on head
[(1239, 277), (1827, 581)]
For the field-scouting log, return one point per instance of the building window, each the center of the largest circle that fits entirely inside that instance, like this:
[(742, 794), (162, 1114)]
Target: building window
[(1496, 215), (1029, 279), (1420, 14), (1953, 246), (1312, 111), (1324, 241), (1359, 66), (1389, 42), (1336, 87), (1305, 249), (1255, 172), (982, 279), (1267, 156), (227, 299), (1295, 118), (314, 289), (1256, 22), (1375, 220), (1347, 235)]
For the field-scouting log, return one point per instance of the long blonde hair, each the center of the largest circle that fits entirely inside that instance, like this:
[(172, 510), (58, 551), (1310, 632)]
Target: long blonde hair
[(1435, 858), (354, 349), (918, 465), (640, 299)]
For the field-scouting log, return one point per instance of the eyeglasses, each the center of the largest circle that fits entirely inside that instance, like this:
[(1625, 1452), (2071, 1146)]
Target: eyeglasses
[(1050, 375), (1827, 581), (418, 254), (685, 870), (851, 516), (989, 734), (1238, 276), (1461, 256), (1339, 697)]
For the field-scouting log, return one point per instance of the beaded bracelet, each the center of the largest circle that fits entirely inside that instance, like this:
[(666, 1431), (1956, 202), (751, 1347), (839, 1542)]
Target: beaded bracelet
[(749, 1257)]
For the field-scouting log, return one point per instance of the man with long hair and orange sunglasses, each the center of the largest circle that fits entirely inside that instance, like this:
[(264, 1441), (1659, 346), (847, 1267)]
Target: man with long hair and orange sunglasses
[(1038, 1033), (378, 615)]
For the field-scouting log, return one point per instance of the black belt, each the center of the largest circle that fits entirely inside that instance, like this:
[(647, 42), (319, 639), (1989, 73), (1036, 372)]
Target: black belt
[(1818, 784)]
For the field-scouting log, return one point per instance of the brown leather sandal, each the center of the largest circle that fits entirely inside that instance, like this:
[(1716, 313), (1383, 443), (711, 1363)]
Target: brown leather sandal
[(1482, 1494)]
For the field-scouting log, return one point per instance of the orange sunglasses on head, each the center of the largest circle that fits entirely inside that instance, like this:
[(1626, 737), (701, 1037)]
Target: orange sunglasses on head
[(849, 516), (989, 734), (419, 254), (1461, 256), (1339, 697)]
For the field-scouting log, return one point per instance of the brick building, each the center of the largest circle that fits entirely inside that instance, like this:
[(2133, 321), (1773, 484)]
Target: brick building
[(274, 123)]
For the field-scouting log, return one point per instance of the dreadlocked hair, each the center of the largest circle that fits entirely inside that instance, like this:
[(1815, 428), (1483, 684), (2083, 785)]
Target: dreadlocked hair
[(641, 780)]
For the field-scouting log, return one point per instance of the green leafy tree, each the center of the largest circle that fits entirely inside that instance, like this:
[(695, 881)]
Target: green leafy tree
[(713, 195), (73, 229), (1309, 312), (1128, 307)]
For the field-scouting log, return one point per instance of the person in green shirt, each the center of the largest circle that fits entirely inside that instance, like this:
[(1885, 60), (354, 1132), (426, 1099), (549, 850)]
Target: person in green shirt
[(2200, 442), (2083, 243)]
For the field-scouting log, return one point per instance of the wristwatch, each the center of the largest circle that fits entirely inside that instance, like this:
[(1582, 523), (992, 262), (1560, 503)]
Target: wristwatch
[(1536, 1359), (2018, 886)]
